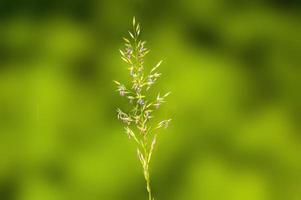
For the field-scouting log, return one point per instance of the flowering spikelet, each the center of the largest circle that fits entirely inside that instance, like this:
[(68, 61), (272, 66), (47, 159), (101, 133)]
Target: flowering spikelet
[(137, 119)]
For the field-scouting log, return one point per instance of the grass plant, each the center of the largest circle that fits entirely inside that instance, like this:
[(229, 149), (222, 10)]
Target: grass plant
[(139, 122)]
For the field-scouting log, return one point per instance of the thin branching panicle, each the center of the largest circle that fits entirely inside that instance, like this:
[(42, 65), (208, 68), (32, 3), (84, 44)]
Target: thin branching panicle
[(137, 119)]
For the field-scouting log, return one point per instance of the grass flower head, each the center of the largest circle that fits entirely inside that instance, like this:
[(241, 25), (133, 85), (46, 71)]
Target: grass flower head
[(137, 119)]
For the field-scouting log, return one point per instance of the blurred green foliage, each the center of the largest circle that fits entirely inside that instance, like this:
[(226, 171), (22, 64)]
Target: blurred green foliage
[(234, 70)]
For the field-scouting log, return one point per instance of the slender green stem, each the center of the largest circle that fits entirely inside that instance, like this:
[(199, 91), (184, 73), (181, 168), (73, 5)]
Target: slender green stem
[(146, 170), (148, 186)]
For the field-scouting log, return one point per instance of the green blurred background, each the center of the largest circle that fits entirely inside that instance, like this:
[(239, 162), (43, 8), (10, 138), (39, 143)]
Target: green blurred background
[(234, 71)]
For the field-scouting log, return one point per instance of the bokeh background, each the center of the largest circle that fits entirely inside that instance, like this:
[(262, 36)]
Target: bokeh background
[(234, 71)]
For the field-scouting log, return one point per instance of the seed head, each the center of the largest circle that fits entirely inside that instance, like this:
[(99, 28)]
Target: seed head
[(137, 119)]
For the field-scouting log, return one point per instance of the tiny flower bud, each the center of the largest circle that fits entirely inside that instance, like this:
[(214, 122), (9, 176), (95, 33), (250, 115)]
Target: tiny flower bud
[(140, 101)]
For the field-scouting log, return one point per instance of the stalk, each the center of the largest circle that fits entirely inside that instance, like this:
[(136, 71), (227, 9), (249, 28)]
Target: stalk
[(148, 186)]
